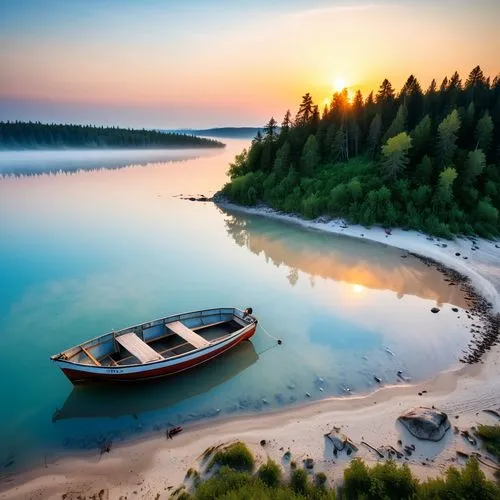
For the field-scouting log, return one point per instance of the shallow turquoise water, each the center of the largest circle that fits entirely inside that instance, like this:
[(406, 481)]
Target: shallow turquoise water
[(86, 252)]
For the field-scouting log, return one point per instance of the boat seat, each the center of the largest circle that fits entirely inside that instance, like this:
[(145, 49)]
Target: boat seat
[(138, 348), (188, 335)]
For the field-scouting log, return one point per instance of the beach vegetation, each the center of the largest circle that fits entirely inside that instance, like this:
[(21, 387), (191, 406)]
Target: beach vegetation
[(270, 473), (419, 159), (236, 456), (298, 481), (320, 479), (383, 481), (490, 435)]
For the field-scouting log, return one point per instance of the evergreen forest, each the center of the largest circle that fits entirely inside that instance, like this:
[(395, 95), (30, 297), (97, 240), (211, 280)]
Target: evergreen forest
[(35, 135), (423, 159)]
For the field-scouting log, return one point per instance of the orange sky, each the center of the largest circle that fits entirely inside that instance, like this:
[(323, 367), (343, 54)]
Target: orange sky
[(158, 66)]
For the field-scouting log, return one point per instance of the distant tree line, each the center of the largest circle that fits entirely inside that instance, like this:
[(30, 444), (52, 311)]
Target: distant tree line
[(36, 135), (419, 159)]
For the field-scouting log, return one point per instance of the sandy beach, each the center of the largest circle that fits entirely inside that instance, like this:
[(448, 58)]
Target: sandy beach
[(155, 467)]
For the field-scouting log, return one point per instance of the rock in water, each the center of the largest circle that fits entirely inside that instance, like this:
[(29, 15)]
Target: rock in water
[(426, 423), (435, 310)]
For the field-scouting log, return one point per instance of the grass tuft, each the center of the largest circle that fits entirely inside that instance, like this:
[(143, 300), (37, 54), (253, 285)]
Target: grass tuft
[(270, 474), (490, 434), (236, 456)]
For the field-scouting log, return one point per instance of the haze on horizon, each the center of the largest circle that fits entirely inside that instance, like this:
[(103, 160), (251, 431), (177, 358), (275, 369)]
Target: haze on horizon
[(216, 63)]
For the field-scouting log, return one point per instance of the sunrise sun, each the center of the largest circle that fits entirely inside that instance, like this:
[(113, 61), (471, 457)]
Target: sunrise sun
[(339, 84)]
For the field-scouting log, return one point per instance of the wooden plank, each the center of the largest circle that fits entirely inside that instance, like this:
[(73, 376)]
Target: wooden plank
[(162, 352), (113, 362), (91, 357), (208, 325), (188, 335), (138, 348)]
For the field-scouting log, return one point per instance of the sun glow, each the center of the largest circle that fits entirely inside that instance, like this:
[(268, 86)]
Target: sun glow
[(358, 288), (339, 84)]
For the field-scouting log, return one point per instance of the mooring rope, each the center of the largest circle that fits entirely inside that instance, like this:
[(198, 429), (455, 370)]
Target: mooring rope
[(278, 341)]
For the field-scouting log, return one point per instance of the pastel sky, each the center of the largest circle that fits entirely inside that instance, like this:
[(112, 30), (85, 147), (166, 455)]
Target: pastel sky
[(174, 63)]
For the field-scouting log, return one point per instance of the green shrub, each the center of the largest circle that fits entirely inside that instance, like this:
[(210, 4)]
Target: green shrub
[(236, 456), (320, 479), (224, 481), (385, 481), (469, 483), (270, 473), (229, 484), (490, 434), (298, 481)]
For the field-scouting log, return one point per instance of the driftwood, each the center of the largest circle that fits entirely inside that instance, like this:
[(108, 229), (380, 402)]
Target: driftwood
[(346, 442), (351, 444), (398, 453), (492, 412), (373, 449), (173, 431), (487, 464)]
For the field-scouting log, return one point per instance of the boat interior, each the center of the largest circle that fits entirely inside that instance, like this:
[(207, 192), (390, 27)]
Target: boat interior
[(159, 339)]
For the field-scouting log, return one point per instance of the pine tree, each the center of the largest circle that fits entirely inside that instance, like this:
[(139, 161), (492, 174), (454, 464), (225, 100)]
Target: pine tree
[(270, 129), (398, 125), (305, 112), (287, 122), (310, 155), (282, 161), (339, 150), (395, 155), (475, 79), (385, 93), (474, 166), (421, 135), (447, 137), (484, 132), (374, 135)]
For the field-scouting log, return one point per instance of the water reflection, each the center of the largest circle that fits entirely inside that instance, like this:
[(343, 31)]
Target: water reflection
[(134, 399), (360, 263), (20, 163)]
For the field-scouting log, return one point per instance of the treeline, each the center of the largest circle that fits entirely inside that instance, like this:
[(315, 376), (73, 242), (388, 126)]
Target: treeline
[(420, 159), (35, 135)]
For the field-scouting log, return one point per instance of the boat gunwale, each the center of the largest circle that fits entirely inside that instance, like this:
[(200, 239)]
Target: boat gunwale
[(56, 358)]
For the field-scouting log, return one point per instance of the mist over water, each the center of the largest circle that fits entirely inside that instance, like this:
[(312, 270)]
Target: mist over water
[(98, 250), (72, 160)]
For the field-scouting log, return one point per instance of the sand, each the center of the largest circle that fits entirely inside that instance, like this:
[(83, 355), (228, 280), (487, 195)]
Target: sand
[(157, 466)]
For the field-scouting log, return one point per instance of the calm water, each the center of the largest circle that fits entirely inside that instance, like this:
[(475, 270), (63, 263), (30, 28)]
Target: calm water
[(82, 253)]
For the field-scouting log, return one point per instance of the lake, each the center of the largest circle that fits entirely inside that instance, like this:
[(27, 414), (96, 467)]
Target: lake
[(87, 251)]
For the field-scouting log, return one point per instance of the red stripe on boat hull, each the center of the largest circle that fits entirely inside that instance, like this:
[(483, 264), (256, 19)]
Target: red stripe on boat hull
[(80, 377)]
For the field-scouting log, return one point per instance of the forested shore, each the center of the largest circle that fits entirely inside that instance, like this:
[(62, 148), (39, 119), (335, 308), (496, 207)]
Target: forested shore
[(425, 160), (35, 135)]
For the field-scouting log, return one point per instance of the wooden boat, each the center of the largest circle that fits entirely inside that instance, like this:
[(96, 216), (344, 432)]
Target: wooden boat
[(157, 396), (157, 348)]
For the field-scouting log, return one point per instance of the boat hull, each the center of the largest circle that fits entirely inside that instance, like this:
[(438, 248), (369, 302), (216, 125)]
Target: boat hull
[(82, 374)]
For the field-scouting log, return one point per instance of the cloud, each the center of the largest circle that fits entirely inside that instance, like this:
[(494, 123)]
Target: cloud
[(325, 11)]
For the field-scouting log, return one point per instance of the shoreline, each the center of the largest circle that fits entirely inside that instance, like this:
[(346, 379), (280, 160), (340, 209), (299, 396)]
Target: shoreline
[(410, 241), (151, 465)]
